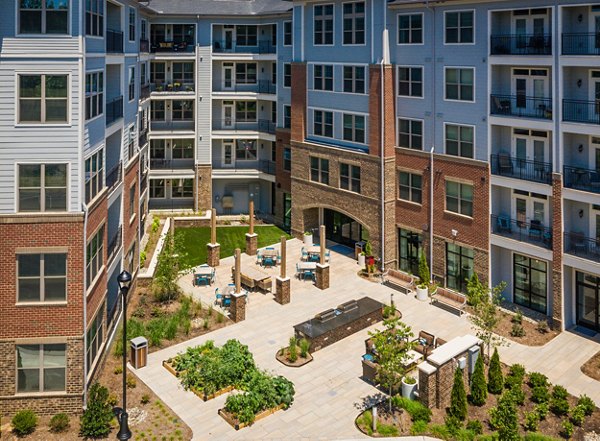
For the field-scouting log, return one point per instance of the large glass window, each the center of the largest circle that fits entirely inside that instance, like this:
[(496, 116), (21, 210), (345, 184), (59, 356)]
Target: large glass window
[(41, 368), (459, 267), (245, 73), (588, 300), (131, 85), (246, 35), (319, 170), (288, 36), (409, 250), (157, 188), (459, 198), (354, 128), (94, 94), (42, 277), (287, 117), (94, 18), (94, 175), (410, 81), (182, 188), (43, 98), (95, 337), (287, 75), (354, 79), (323, 123), (183, 110), (42, 187), (131, 24), (350, 177), (157, 110), (183, 73), (245, 111), (459, 27), (410, 187), (157, 73), (323, 25), (530, 282), (323, 77), (459, 140), (245, 150), (94, 256), (287, 159), (43, 16), (410, 133), (459, 84), (354, 23), (183, 148), (410, 29)]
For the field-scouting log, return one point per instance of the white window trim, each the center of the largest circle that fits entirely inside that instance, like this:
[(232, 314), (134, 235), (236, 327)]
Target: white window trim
[(43, 342), (313, 25), (68, 123), (94, 281), (313, 65), (135, 27), (129, 69), (398, 131), (365, 29), (422, 29), (57, 250), (312, 126), (46, 35), (474, 28), (96, 37), (366, 80), (103, 114), (85, 158), (474, 84), (283, 76), (422, 67), (459, 182), (410, 172), (16, 187), (449, 123), (283, 33), (164, 187), (366, 129)]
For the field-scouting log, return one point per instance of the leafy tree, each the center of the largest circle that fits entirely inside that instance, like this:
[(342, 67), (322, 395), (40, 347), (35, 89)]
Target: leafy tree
[(424, 274), (172, 263), (486, 316), (475, 290), (504, 418), (95, 421), (495, 379), (478, 384), (458, 397)]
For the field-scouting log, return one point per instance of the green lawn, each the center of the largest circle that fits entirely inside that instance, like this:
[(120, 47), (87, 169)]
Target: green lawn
[(230, 238)]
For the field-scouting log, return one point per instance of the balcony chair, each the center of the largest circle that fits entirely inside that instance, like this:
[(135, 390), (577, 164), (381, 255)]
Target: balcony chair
[(505, 165), (503, 224), (535, 229), (577, 242), (502, 106)]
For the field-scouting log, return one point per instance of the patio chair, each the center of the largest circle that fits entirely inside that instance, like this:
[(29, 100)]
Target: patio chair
[(268, 262), (577, 242), (308, 274), (424, 344), (327, 255), (505, 165), (535, 229), (502, 106), (503, 224)]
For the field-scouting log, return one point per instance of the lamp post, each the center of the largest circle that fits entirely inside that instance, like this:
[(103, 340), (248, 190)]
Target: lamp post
[(124, 433)]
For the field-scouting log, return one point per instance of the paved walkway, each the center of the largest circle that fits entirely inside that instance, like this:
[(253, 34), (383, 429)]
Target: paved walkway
[(329, 391)]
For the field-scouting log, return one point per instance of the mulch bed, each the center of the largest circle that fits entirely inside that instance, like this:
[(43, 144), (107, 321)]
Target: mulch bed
[(591, 368), (153, 237), (283, 358), (532, 336), (235, 423)]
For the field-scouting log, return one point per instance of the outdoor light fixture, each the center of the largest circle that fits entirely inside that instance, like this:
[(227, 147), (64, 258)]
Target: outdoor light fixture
[(579, 82), (580, 18), (124, 280)]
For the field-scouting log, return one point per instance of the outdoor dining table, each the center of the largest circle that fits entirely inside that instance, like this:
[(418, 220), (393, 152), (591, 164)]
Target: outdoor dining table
[(271, 254), (306, 266), (204, 273), (226, 295), (255, 278)]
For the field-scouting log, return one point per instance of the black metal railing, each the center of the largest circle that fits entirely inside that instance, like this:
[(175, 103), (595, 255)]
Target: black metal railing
[(172, 87), (261, 86), (144, 46), (511, 167), (114, 110), (581, 179), (114, 244), (266, 86), (144, 91), (532, 232), (114, 41), (267, 167), (143, 138), (143, 183), (234, 46), (114, 176), (171, 164), (521, 106), (263, 166), (521, 44), (581, 44), (172, 46), (262, 125), (185, 125), (579, 245), (581, 111)]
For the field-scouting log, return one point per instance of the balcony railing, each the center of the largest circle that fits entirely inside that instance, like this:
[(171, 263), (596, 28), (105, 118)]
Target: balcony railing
[(144, 46), (532, 232), (521, 45), (582, 179), (232, 46), (521, 106), (143, 138), (114, 110), (262, 125), (263, 166), (171, 164), (114, 41), (581, 44), (579, 245), (144, 91), (172, 126), (114, 244), (587, 112), (511, 167), (261, 86), (172, 87), (172, 46), (114, 176)]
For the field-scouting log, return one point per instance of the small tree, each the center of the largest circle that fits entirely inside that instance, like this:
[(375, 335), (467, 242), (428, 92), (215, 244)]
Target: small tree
[(505, 419), (486, 316), (392, 346), (495, 379), (95, 421), (424, 274), (475, 290), (458, 397), (478, 384), (172, 263)]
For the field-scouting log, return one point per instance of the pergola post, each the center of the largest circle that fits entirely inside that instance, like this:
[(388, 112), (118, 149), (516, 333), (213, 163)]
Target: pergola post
[(251, 236), (213, 254), (282, 283), (322, 266)]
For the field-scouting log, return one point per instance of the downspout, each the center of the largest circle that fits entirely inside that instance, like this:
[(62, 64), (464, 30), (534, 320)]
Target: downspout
[(83, 204), (85, 366), (385, 59), (433, 92)]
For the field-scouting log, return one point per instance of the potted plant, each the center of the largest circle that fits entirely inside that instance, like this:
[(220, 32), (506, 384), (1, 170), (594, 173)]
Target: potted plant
[(424, 279), (369, 258), (409, 386), (176, 86), (361, 259), (308, 238)]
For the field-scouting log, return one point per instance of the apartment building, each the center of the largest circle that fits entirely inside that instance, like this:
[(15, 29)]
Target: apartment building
[(465, 130)]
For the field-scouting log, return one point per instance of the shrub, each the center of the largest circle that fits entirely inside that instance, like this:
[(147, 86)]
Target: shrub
[(220, 318), (517, 317), (458, 397), (387, 430), (142, 258), (95, 421), (59, 423), (171, 328), (495, 379), (587, 403), (542, 326), (304, 347), (367, 420), (515, 376), (577, 415), (130, 382), (24, 422), (517, 330), (558, 403), (388, 311), (424, 275), (145, 399), (410, 380), (542, 410), (478, 384), (540, 394), (567, 429), (118, 370), (536, 379), (186, 325), (210, 310), (474, 290), (532, 421), (112, 399), (293, 350), (475, 426), (453, 424), (416, 410), (205, 323), (139, 312), (418, 427), (504, 418), (518, 395)]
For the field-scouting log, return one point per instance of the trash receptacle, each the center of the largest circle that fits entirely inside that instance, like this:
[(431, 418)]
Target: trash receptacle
[(139, 352), (359, 247)]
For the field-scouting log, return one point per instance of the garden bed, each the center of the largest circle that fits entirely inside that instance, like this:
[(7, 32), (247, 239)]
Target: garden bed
[(532, 335), (237, 425), (591, 368), (283, 356)]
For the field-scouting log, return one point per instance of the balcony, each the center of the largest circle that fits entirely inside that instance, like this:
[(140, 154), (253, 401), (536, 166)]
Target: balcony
[(177, 46), (114, 244), (582, 179), (114, 110), (144, 46), (231, 46), (171, 164), (144, 91), (521, 44), (114, 42), (521, 106), (262, 125), (143, 138), (587, 112), (171, 87), (143, 182), (261, 86), (262, 166), (578, 245), (511, 167), (532, 232), (172, 126), (114, 176), (581, 44)]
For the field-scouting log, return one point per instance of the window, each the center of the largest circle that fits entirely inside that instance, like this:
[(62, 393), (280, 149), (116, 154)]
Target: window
[(94, 255), (131, 151), (273, 73), (410, 133), (183, 149), (41, 368), (245, 111), (287, 75), (410, 29), (354, 128), (354, 23), (410, 187), (287, 116), (274, 112), (42, 277), (144, 30), (323, 32), (183, 73), (157, 110), (94, 175), (245, 150), (459, 140), (94, 94), (287, 159), (530, 282), (459, 267), (410, 81), (183, 110), (323, 123), (131, 24), (43, 98), (157, 149), (459, 84), (246, 35), (287, 33), (95, 337), (42, 187), (157, 73), (182, 188), (245, 73), (409, 251), (43, 16), (323, 77), (157, 188), (319, 170), (143, 73), (94, 18), (132, 200), (130, 263), (459, 27), (350, 177), (131, 83), (354, 79), (459, 198)]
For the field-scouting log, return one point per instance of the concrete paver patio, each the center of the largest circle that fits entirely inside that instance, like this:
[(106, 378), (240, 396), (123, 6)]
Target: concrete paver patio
[(329, 391)]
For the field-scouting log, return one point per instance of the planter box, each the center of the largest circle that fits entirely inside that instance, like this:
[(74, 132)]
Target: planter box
[(308, 240), (202, 395), (168, 366), (361, 260), (233, 421)]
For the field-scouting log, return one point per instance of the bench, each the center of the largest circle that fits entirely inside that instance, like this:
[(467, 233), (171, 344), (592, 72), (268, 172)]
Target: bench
[(399, 281), (450, 298)]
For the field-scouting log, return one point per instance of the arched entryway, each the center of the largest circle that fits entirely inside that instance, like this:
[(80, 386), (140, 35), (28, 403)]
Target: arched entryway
[(343, 229)]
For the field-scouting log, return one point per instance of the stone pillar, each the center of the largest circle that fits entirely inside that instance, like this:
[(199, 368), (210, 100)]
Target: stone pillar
[(203, 187), (322, 276), (213, 255), (237, 310), (251, 244), (282, 290), (427, 385)]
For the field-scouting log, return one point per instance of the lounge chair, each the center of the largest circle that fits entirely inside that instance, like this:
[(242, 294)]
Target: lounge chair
[(503, 224)]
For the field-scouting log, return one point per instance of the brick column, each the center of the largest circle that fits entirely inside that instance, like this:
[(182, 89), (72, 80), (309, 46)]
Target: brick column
[(557, 252), (322, 276), (251, 244), (213, 256), (298, 96), (237, 310), (282, 290), (427, 384)]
